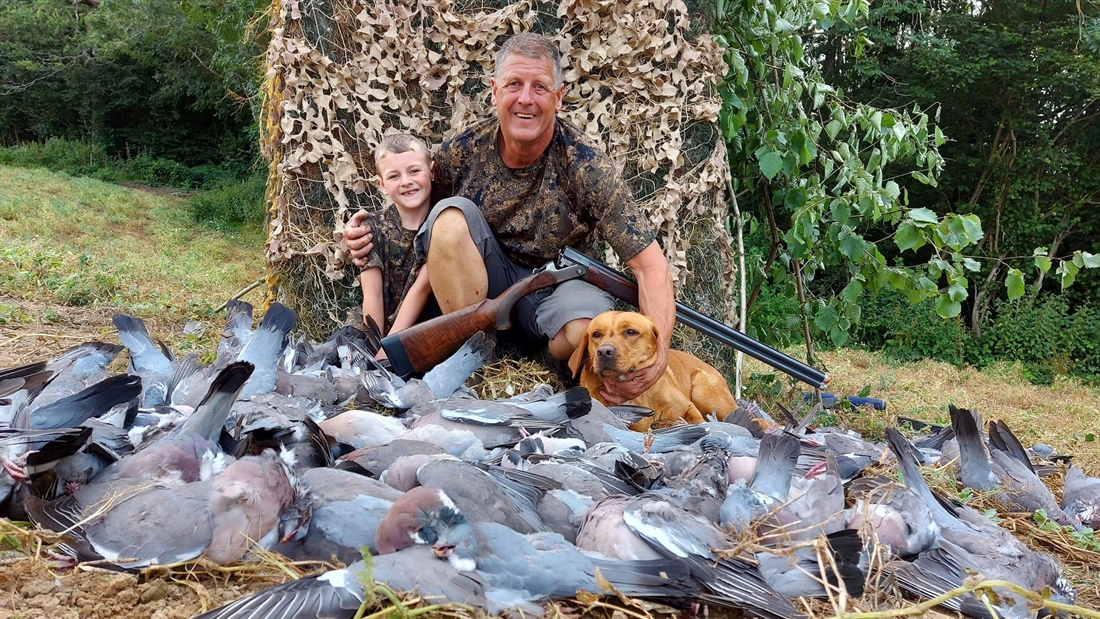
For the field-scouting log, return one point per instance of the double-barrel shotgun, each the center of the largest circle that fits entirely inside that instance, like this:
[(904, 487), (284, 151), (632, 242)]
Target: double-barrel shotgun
[(421, 347)]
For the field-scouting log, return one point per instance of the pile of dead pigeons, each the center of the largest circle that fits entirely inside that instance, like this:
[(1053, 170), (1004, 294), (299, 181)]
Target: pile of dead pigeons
[(317, 451)]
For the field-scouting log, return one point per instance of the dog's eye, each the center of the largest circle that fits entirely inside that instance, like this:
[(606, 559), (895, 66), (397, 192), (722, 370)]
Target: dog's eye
[(631, 332), (596, 335)]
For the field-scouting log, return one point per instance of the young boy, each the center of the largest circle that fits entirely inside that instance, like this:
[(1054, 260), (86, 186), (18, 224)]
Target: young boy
[(391, 272)]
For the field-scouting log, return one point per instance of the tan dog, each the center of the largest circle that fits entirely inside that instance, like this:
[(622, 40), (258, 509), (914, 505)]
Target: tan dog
[(619, 342)]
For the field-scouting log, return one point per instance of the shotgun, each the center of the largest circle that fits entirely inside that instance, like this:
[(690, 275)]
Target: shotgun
[(618, 285), (423, 346)]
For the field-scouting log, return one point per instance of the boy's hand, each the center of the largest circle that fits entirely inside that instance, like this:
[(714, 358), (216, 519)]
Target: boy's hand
[(358, 238)]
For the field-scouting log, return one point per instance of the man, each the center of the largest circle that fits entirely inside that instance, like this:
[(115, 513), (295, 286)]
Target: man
[(531, 183)]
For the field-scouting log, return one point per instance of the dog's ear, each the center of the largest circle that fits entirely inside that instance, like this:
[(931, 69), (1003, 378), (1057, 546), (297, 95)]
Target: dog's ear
[(579, 356)]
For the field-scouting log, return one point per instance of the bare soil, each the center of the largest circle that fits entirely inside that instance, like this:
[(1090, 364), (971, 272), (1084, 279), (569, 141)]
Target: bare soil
[(33, 589)]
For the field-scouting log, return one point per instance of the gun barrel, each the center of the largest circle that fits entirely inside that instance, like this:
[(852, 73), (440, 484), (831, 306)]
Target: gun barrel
[(621, 286)]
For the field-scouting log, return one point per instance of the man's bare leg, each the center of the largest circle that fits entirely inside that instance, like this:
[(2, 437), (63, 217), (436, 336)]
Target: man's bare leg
[(456, 270), (566, 340)]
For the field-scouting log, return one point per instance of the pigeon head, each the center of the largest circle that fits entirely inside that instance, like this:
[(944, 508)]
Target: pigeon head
[(295, 518), (426, 515)]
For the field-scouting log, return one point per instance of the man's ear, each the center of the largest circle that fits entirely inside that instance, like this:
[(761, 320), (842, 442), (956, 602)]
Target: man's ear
[(579, 356)]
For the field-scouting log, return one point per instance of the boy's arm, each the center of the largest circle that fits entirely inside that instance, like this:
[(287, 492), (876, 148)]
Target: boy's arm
[(413, 302), (371, 282)]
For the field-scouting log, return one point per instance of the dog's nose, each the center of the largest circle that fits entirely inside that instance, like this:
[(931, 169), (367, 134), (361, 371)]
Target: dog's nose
[(606, 351)]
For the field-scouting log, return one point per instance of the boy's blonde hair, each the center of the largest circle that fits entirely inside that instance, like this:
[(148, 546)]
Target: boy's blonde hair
[(397, 143)]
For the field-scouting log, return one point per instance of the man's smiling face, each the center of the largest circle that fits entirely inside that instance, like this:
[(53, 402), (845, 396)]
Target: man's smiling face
[(527, 101)]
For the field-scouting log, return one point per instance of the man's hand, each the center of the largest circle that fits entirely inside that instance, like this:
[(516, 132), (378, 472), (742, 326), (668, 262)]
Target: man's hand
[(358, 238), (636, 383)]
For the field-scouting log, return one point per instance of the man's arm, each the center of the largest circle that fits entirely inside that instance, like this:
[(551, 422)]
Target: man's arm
[(358, 238), (413, 303), (657, 300)]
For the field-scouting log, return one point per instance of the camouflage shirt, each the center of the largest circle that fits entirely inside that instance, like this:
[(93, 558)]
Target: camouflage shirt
[(393, 253), (572, 196)]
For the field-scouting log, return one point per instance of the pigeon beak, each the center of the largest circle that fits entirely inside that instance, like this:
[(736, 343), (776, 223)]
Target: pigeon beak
[(443, 551)]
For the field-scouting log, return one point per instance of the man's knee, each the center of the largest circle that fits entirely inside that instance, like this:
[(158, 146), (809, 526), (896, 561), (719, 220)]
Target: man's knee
[(450, 228), (566, 340)]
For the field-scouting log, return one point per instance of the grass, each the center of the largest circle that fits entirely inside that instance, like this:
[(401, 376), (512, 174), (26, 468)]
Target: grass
[(1064, 414), (74, 251)]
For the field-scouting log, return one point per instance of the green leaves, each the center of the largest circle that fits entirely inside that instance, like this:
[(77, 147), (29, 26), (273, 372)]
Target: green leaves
[(1015, 284), (821, 160), (923, 217), (771, 163)]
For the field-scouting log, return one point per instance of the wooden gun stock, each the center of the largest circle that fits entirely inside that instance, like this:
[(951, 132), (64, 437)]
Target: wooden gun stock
[(423, 346), (619, 285)]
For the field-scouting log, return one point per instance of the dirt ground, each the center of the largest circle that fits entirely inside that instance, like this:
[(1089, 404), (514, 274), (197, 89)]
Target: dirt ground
[(32, 589)]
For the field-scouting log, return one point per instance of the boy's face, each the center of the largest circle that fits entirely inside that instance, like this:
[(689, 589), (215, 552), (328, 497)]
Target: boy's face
[(406, 178)]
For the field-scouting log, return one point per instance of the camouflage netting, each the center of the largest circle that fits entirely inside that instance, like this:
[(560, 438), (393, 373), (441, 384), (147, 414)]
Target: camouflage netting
[(641, 76)]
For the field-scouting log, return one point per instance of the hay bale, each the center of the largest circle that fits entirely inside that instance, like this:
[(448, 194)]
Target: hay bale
[(640, 76)]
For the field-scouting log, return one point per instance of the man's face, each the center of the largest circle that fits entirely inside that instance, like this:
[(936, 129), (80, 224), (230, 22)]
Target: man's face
[(526, 99)]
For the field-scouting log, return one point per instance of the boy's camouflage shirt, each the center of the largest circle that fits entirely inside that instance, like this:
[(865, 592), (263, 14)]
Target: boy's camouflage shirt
[(393, 253)]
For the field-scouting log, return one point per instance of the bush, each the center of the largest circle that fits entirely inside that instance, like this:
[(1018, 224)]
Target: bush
[(232, 202), (91, 159), (1046, 336), (908, 332), (73, 157)]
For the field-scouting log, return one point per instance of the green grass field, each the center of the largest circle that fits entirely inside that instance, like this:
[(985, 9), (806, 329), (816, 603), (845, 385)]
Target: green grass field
[(74, 251)]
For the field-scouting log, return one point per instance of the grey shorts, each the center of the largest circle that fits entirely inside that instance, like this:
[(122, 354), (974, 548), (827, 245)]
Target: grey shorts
[(540, 314)]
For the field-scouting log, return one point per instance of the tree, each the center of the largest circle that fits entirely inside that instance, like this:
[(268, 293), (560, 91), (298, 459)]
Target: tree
[(1017, 85), (830, 176), (161, 77)]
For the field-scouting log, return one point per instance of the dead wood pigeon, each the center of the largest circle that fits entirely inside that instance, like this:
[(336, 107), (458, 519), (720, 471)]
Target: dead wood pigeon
[(896, 514), (485, 497), (376, 459), (338, 594), (701, 488), (150, 360), (75, 369), (237, 332), (265, 347), (968, 541), (179, 453), (1008, 473), (345, 510), (648, 526), (1081, 497), (600, 425), (135, 523), (502, 423), (442, 381), (520, 571), (358, 428)]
